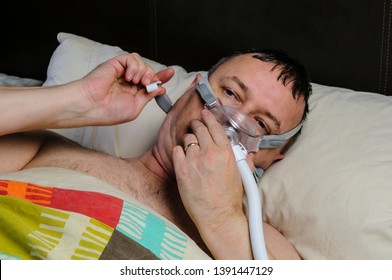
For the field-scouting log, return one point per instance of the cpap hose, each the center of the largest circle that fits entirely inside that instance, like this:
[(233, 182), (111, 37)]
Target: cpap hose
[(254, 204)]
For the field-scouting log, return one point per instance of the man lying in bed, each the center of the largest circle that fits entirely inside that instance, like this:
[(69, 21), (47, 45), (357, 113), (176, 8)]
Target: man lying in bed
[(200, 189)]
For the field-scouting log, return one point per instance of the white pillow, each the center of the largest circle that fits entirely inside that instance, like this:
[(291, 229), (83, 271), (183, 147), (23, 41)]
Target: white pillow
[(74, 58), (332, 194)]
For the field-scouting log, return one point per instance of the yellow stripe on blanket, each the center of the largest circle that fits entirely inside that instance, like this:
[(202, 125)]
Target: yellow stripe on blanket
[(30, 231)]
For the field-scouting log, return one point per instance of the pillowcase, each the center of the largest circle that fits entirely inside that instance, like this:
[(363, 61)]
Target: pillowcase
[(74, 58), (330, 196)]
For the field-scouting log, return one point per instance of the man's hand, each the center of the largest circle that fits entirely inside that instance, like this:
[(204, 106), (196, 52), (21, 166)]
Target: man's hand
[(211, 188)]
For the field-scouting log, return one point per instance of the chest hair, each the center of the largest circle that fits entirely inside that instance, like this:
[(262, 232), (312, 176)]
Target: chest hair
[(129, 176)]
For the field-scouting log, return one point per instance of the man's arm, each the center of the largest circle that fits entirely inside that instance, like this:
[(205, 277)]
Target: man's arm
[(230, 240), (17, 150)]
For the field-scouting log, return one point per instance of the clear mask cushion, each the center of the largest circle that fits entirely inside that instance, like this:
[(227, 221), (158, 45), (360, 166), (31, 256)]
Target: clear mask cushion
[(238, 127)]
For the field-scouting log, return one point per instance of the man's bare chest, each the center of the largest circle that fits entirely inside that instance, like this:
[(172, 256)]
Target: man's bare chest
[(129, 176)]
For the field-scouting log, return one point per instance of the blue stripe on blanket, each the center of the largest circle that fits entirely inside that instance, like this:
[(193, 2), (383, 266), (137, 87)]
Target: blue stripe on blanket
[(164, 240)]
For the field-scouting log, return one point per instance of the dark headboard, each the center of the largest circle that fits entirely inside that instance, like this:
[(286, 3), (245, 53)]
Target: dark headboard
[(342, 43)]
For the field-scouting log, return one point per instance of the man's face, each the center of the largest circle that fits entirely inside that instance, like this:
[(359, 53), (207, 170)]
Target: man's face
[(248, 85)]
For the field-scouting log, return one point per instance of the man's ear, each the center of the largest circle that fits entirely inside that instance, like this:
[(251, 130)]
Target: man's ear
[(278, 157), (195, 81)]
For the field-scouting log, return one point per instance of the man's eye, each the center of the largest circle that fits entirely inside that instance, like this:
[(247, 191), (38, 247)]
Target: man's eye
[(263, 126), (230, 97), (230, 93)]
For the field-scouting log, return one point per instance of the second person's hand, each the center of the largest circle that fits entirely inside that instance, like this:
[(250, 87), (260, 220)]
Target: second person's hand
[(115, 91)]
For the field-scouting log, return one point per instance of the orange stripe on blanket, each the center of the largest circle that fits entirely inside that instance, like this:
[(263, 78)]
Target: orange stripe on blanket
[(27, 191), (102, 207)]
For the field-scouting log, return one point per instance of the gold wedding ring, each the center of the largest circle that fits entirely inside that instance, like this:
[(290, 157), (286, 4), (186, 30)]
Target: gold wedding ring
[(190, 145)]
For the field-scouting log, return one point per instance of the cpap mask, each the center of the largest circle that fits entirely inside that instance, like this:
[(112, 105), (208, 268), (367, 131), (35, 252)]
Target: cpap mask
[(239, 127)]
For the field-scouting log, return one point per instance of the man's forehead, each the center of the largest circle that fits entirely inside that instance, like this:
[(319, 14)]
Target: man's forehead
[(245, 62)]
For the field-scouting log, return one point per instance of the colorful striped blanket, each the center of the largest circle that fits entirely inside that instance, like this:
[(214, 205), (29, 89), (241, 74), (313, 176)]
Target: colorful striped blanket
[(81, 218)]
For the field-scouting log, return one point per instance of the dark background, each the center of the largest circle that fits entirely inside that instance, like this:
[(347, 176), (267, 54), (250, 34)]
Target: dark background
[(342, 43)]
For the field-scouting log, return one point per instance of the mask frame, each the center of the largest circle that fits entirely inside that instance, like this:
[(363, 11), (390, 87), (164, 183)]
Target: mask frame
[(266, 141)]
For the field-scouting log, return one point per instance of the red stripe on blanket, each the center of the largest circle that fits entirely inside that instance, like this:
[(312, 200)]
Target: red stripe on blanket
[(102, 207)]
